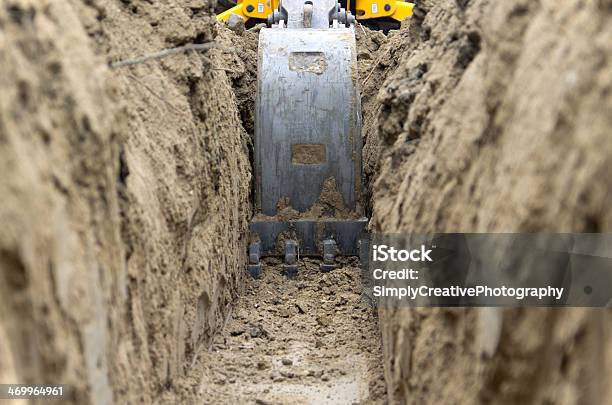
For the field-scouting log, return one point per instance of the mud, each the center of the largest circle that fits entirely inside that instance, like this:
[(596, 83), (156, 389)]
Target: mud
[(311, 340), (308, 62), (330, 204), (308, 154)]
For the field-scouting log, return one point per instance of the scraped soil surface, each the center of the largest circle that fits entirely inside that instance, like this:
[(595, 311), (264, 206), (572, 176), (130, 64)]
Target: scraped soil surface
[(311, 340)]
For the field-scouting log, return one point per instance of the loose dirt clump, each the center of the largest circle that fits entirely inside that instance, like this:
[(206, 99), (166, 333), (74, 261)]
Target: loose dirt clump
[(377, 57), (330, 204), (240, 64), (310, 341)]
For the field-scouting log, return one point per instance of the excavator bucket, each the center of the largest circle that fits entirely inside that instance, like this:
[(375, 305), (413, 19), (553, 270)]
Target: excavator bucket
[(308, 173)]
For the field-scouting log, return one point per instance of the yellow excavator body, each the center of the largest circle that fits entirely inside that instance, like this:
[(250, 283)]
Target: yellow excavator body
[(366, 9), (247, 9)]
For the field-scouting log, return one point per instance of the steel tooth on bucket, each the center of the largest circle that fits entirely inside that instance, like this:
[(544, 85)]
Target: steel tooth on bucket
[(291, 254), (307, 129), (254, 266), (329, 255)]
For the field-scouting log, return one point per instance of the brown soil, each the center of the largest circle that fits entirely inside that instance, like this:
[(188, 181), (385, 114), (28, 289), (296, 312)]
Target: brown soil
[(125, 196), (240, 65), (496, 118), (306, 154), (125, 201), (311, 340), (330, 204), (377, 57)]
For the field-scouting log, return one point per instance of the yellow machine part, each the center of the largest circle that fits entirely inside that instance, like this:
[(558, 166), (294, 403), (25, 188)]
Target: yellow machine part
[(398, 10), (248, 9), (366, 9)]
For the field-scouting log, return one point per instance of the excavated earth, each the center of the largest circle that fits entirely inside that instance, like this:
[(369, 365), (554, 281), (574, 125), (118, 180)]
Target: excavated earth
[(494, 116), (125, 197), (311, 340)]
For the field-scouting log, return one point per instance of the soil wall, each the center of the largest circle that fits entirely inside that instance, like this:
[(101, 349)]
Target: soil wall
[(124, 195), (495, 117)]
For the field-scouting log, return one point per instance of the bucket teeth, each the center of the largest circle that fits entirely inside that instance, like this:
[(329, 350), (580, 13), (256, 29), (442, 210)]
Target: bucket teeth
[(329, 255), (254, 267), (291, 252)]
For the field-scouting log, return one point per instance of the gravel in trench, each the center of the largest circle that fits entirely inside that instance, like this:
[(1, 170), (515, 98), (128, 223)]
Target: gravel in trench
[(312, 340)]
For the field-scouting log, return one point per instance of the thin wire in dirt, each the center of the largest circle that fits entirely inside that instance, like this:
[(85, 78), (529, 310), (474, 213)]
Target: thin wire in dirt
[(162, 54), (373, 68), (364, 31)]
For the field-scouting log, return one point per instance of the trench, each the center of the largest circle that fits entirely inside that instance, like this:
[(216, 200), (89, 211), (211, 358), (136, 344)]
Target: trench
[(314, 339), (310, 340), (125, 204)]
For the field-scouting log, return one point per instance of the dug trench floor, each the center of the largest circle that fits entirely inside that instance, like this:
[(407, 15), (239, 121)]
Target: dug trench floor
[(310, 340)]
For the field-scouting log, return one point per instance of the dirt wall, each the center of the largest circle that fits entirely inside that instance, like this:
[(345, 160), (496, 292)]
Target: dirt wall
[(125, 195), (496, 118)]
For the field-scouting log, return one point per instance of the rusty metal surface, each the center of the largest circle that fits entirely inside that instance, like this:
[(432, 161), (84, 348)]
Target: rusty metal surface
[(307, 94)]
